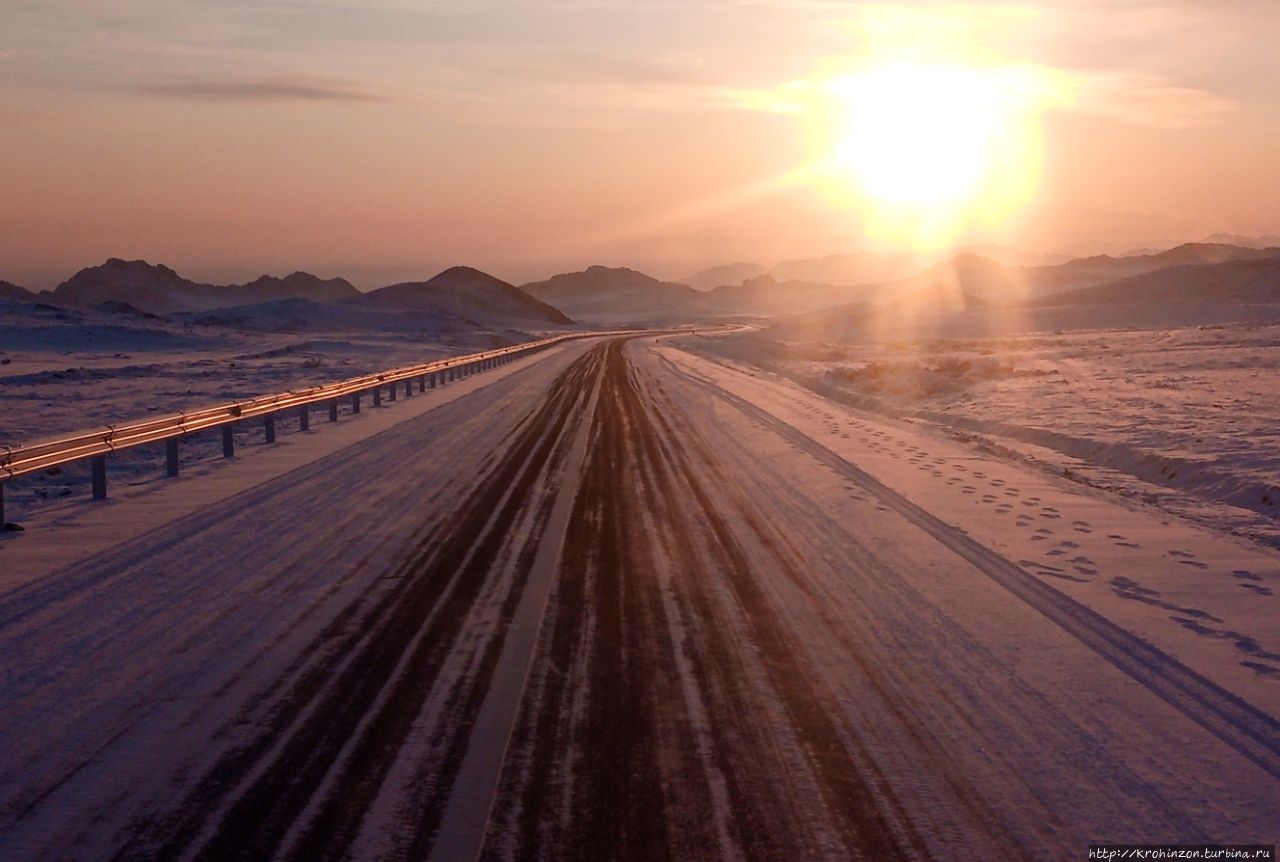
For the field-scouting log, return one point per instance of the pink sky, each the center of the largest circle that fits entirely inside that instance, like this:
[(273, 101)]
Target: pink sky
[(388, 140)]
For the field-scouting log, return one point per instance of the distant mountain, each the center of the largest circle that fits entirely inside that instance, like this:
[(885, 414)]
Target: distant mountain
[(1204, 252), (9, 290), (1012, 256), (299, 285), (911, 301), (157, 289), (465, 293), (860, 267), (1186, 294), (1268, 241), (153, 288), (1240, 282), (730, 273), (765, 296), (1101, 269), (616, 294), (997, 282)]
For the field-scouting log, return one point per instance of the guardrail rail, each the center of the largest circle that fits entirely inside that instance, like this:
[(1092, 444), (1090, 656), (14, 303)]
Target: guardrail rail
[(20, 461)]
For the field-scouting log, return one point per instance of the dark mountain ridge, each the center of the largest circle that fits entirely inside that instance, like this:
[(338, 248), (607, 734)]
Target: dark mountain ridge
[(157, 289), (465, 292)]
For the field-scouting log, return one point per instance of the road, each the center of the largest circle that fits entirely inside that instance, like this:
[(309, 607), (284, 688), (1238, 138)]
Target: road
[(601, 608)]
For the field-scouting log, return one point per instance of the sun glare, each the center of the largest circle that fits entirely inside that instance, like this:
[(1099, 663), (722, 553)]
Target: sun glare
[(928, 152)]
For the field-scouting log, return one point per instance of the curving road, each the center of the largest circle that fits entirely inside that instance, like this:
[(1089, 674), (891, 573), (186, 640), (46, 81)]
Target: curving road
[(601, 608)]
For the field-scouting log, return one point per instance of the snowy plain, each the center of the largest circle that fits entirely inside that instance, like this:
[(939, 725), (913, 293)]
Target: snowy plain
[(65, 371), (800, 608)]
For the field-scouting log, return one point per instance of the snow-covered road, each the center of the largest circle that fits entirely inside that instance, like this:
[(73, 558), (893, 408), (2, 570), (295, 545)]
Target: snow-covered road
[(624, 602)]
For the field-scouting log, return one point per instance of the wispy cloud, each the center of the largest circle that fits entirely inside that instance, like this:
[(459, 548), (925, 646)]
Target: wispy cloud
[(1147, 100), (263, 90)]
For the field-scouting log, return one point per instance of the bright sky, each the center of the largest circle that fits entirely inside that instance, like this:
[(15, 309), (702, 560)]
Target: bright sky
[(389, 139)]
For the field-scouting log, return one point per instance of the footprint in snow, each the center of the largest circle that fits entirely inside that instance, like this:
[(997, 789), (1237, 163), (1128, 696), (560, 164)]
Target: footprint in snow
[(1195, 564), (1187, 555), (988, 498), (1067, 543), (1246, 574), (1259, 589)]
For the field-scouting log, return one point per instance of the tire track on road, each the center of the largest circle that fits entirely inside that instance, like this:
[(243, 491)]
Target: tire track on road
[(344, 719), (612, 736)]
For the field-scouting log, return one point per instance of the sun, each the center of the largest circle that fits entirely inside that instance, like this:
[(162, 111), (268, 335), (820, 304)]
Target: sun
[(930, 151)]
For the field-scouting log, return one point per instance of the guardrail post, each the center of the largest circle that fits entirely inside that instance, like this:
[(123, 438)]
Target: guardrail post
[(2, 520), (432, 377), (269, 424), (333, 409), (98, 467), (355, 402), (377, 396), (408, 386), (228, 442), (422, 383), (171, 456), (391, 391), (304, 418)]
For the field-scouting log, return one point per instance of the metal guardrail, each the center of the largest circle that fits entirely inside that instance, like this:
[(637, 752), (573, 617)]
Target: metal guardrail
[(96, 445)]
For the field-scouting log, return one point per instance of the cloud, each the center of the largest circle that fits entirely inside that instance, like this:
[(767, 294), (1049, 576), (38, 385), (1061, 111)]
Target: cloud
[(263, 90), (1146, 100)]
